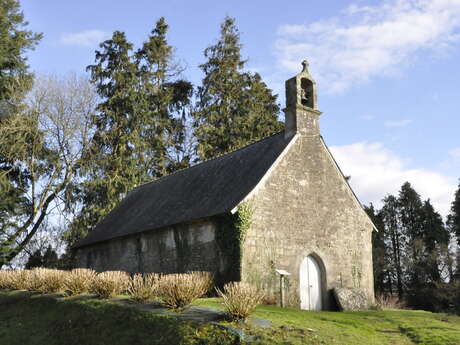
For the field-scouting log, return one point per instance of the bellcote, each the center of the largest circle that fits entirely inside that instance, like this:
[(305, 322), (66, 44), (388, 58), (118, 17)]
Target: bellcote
[(301, 111)]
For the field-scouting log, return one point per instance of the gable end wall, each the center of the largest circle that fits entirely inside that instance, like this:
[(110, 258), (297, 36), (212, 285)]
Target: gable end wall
[(305, 207)]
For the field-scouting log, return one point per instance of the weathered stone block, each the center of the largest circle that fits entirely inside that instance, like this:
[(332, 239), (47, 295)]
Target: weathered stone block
[(351, 299)]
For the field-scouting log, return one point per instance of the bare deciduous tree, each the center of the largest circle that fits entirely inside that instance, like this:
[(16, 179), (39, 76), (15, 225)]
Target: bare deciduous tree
[(45, 144)]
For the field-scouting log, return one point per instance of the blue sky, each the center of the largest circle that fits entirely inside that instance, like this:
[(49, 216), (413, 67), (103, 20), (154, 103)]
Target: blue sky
[(387, 71)]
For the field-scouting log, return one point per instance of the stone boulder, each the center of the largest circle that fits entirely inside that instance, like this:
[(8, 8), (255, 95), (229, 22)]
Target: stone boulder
[(351, 299)]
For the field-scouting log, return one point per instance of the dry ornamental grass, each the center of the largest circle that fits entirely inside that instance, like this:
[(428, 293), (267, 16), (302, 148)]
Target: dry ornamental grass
[(43, 280), (175, 290), (240, 299), (389, 302), (109, 283), (31, 281), (179, 290), (142, 288), (46, 280), (79, 280), (4, 280), (12, 279)]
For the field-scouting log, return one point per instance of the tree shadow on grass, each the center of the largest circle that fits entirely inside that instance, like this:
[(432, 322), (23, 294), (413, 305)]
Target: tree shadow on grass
[(40, 320)]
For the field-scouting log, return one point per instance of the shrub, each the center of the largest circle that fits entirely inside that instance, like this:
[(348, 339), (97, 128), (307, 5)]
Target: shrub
[(79, 280), (141, 288), (46, 280), (32, 281), (109, 283), (5, 279), (43, 280), (435, 297), (14, 279), (179, 290), (4, 284), (240, 299), (11, 279), (388, 302)]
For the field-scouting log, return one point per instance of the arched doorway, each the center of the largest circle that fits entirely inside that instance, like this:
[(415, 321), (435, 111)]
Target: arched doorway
[(310, 284)]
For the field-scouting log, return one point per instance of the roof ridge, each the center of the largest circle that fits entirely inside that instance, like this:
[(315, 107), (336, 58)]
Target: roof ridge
[(206, 161), (214, 187)]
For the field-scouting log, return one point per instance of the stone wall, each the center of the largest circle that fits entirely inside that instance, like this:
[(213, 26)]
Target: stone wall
[(305, 207), (182, 248)]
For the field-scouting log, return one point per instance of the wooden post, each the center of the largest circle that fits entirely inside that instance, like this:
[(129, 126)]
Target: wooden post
[(282, 274), (282, 291)]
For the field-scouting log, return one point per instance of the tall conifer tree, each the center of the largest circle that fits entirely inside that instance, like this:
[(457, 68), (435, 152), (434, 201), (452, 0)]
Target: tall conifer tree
[(453, 223), (416, 243), (380, 249), (453, 220), (137, 125), (396, 243), (410, 216), (15, 40), (234, 107), (15, 82), (163, 99), (436, 239), (109, 168)]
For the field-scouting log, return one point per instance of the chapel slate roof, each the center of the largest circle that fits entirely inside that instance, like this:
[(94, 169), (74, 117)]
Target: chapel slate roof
[(213, 187)]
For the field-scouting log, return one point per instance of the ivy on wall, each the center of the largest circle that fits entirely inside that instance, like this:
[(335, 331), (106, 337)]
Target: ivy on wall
[(232, 230), (243, 221)]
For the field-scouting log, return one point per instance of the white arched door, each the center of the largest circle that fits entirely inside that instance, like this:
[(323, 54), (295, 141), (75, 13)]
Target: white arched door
[(310, 284)]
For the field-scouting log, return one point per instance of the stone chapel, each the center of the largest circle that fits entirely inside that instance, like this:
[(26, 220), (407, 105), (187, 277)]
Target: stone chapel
[(281, 203)]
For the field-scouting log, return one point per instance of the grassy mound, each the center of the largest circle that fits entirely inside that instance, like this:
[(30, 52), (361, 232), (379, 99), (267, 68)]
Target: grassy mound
[(27, 318), (388, 327), (40, 320)]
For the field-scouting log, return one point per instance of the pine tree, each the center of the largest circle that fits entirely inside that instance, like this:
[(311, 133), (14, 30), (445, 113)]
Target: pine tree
[(413, 242), (436, 239), (396, 243), (15, 81), (15, 41), (50, 258), (163, 98), (137, 125), (382, 281), (453, 219), (410, 216), (453, 224), (35, 260), (234, 107), (109, 166), (426, 239)]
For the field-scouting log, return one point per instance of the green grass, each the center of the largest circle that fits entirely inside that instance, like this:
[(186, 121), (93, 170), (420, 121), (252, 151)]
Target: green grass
[(293, 326), (27, 319), (31, 319)]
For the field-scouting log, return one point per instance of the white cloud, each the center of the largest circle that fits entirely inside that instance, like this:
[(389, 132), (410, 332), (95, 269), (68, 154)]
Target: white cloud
[(401, 123), (86, 38), (455, 153), (370, 41), (376, 171)]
